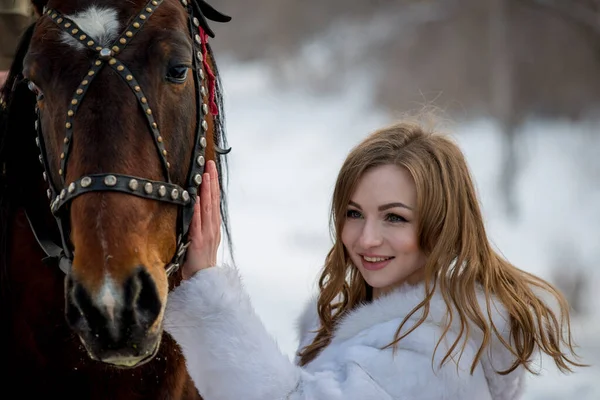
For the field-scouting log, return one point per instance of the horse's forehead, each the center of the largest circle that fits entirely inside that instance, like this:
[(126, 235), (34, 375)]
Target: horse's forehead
[(99, 22)]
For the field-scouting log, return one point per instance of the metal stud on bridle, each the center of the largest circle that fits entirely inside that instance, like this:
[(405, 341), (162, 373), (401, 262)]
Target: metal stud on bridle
[(165, 191)]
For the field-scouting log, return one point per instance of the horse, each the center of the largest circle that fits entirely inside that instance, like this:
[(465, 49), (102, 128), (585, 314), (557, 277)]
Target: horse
[(109, 114)]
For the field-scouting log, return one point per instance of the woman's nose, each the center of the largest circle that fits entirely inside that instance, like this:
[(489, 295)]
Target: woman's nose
[(370, 235)]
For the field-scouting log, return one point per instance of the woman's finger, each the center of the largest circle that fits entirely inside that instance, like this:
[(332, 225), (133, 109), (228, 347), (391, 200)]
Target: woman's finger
[(206, 204), (196, 225), (216, 200), (214, 179)]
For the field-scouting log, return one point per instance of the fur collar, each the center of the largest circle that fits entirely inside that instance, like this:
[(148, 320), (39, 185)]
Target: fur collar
[(395, 306)]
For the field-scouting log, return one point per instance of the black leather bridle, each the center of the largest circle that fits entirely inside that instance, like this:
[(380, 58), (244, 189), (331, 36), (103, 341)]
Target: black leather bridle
[(166, 191)]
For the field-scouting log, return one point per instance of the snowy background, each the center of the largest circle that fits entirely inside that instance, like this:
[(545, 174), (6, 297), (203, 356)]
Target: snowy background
[(306, 80), (287, 147)]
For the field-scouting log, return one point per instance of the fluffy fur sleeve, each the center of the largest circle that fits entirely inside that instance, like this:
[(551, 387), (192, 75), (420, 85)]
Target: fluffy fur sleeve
[(228, 351), (231, 356)]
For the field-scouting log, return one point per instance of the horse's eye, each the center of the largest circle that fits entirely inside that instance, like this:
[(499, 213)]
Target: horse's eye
[(177, 74)]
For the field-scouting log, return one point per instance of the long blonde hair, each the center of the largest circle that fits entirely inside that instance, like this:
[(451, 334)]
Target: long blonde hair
[(460, 258)]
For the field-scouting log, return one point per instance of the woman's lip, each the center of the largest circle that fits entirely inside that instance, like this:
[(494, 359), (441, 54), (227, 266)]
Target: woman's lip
[(374, 266)]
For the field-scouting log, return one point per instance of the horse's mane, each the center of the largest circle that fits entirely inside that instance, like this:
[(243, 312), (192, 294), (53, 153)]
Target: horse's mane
[(7, 93), (220, 139), (7, 98)]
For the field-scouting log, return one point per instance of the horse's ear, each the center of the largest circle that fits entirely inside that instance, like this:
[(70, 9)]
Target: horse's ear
[(38, 6), (15, 74)]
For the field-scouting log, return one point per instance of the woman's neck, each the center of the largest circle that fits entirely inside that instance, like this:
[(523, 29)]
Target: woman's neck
[(413, 279)]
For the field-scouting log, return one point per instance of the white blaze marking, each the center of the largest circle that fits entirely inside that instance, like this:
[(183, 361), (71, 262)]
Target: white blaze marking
[(99, 23), (109, 298)]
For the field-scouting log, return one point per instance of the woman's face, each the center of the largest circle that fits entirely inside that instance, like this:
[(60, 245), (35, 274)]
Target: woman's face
[(380, 231)]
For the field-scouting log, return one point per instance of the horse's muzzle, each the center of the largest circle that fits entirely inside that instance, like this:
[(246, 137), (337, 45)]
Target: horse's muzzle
[(118, 325)]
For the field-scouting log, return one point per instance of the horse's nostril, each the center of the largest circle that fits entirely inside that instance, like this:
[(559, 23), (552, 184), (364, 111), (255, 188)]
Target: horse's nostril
[(142, 295), (72, 312), (80, 308)]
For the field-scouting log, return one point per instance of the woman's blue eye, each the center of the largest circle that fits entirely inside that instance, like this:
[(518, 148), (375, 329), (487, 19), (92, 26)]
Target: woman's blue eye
[(352, 214), (395, 218)]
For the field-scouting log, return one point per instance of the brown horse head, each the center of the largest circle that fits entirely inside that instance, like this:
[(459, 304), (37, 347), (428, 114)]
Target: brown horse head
[(129, 109)]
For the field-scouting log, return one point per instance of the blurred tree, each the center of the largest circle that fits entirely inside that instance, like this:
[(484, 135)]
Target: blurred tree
[(585, 13), (502, 97), (15, 16), (510, 60)]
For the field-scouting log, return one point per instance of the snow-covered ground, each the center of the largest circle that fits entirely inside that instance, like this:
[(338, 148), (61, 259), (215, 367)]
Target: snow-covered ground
[(287, 148)]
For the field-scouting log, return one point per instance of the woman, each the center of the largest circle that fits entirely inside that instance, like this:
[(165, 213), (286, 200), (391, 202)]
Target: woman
[(414, 303)]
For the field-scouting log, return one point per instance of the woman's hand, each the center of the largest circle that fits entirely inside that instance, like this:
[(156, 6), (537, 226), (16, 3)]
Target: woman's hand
[(205, 229)]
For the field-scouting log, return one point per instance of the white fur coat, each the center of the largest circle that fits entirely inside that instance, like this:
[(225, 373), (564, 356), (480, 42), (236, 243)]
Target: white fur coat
[(230, 355)]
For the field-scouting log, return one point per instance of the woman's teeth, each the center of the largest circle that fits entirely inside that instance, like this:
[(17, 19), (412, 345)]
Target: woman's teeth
[(376, 259)]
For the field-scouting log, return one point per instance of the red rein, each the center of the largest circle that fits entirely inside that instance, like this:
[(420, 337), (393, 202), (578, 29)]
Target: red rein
[(211, 76)]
